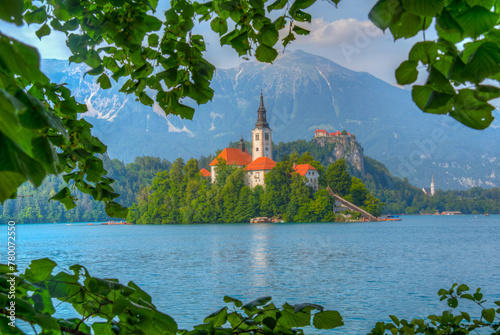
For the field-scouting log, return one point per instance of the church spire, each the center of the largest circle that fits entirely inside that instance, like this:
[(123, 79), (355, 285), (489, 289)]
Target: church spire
[(433, 189), (261, 114), (241, 145)]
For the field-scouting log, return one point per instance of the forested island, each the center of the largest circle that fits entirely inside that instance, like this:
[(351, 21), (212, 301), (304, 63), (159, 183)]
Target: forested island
[(159, 191)]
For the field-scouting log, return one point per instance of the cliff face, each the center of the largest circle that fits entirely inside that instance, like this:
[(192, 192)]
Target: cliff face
[(346, 147)]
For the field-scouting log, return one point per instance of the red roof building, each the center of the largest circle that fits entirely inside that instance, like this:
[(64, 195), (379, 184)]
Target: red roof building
[(256, 171), (205, 173), (309, 172), (261, 163), (234, 156), (302, 169), (320, 133)]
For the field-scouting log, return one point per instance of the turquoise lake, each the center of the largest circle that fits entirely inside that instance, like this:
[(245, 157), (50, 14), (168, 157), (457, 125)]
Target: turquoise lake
[(366, 271)]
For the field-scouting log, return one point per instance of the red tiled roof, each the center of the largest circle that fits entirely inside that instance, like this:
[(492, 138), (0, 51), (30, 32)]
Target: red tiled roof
[(303, 168), (338, 132), (332, 134), (321, 131), (205, 173), (261, 163), (234, 156)]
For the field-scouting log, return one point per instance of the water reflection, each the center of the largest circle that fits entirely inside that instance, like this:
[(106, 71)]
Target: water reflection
[(258, 256)]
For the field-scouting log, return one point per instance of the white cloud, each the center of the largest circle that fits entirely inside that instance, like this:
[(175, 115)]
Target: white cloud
[(338, 32)]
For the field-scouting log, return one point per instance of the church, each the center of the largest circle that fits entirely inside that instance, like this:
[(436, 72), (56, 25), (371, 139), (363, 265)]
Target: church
[(430, 190), (260, 162)]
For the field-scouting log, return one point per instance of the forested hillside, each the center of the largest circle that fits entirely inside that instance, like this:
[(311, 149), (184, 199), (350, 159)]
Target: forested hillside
[(33, 205)]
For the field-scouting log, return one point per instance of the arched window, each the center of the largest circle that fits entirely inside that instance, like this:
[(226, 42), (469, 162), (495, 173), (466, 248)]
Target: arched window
[(256, 137)]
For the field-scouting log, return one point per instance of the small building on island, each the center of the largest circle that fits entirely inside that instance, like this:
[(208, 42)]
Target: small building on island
[(257, 170), (310, 172), (205, 173), (232, 156)]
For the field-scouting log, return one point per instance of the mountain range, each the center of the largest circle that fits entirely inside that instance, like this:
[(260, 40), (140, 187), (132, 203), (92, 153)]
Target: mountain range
[(302, 92)]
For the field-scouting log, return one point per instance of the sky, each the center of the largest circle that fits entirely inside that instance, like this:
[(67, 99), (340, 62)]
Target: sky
[(344, 35)]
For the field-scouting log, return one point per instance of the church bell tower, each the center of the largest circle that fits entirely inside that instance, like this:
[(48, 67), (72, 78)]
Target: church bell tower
[(433, 191), (261, 134)]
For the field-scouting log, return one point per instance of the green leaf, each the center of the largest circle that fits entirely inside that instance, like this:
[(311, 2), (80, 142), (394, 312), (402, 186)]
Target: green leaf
[(21, 59), (115, 210), (426, 52), (466, 316), (452, 302), (265, 53), (477, 21), (218, 317), (257, 302), (307, 306), (289, 319), (385, 12), (153, 40), (475, 114), (439, 103), (278, 4), (39, 270), (488, 4), (486, 92), (300, 31), (327, 320), (12, 11), (44, 153), (395, 320), (16, 167), (420, 95), (438, 82), (37, 16), (483, 63), (152, 23), (424, 7), (447, 27), (300, 4), (407, 72), (64, 196), (102, 328), (269, 322), (104, 81), (462, 288), (237, 303), (43, 31), (408, 26), (489, 314), (302, 16), (219, 25), (63, 286), (268, 35)]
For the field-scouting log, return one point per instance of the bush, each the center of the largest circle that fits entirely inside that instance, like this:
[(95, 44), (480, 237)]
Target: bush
[(108, 307)]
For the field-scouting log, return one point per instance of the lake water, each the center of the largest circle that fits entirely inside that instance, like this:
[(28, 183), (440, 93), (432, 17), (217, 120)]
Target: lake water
[(364, 270)]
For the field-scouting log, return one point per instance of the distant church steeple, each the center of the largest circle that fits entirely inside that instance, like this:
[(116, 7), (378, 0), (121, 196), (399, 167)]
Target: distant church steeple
[(261, 134), (432, 185)]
